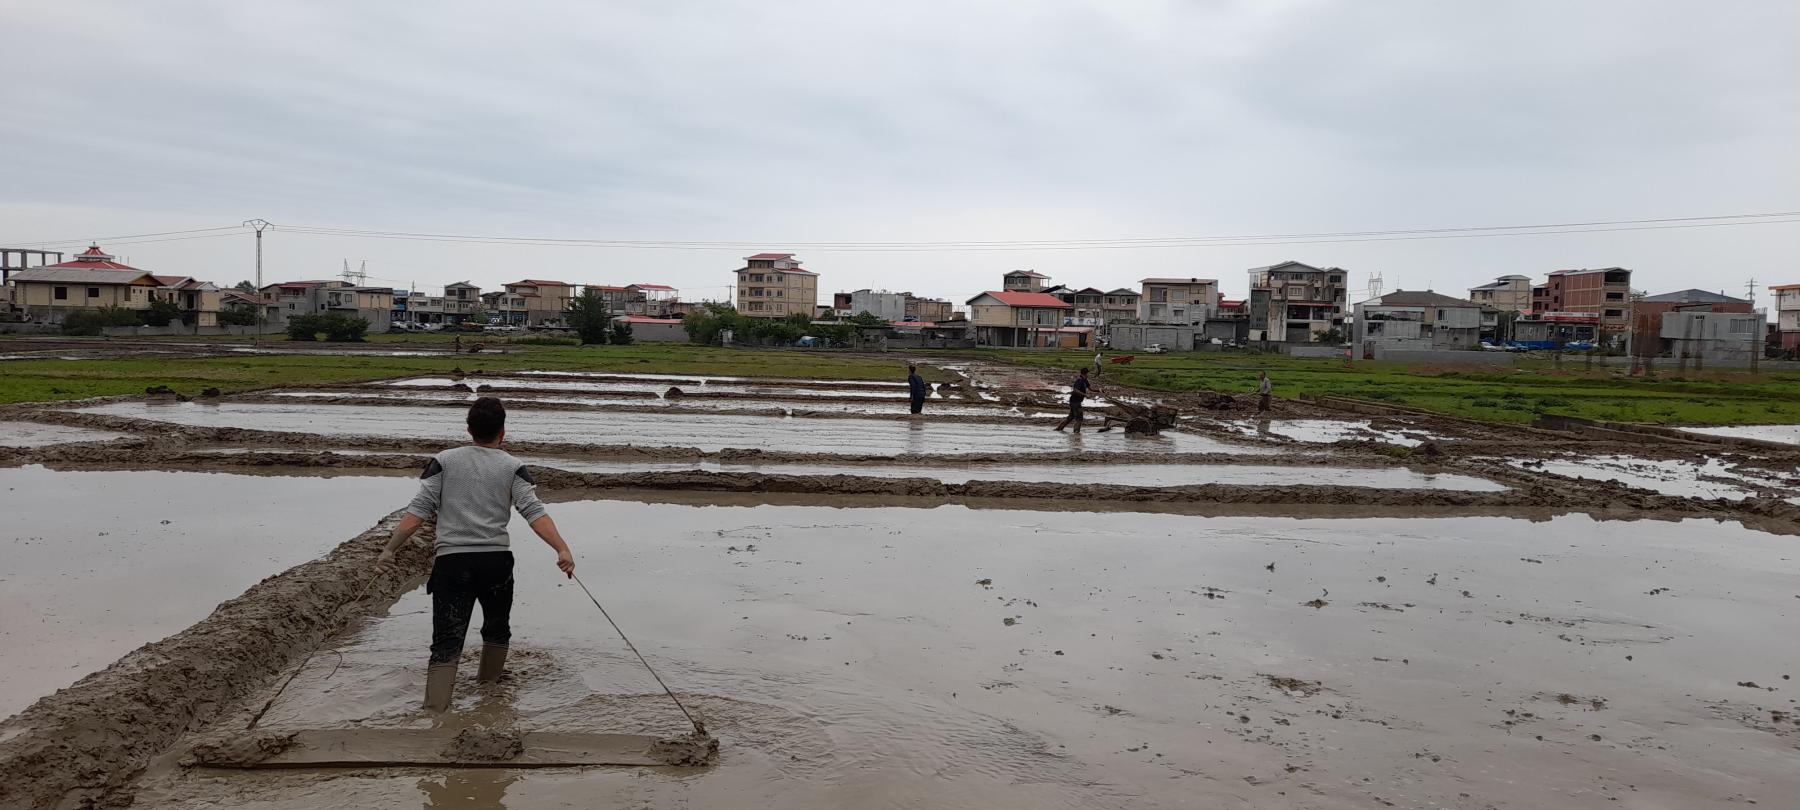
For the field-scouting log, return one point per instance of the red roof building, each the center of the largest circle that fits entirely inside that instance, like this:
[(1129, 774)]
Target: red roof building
[(93, 259)]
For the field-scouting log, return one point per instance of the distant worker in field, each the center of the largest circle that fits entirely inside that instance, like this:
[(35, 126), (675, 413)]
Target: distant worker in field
[(915, 387), (1078, 391), (471, 489), (1264, 390), (1097, 354)]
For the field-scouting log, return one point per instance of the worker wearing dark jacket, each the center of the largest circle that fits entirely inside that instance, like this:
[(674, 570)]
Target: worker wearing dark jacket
[(915, 386), (1078, 391)]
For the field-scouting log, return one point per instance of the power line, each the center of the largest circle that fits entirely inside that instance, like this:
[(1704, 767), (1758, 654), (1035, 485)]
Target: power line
[(122, 239), (1046, 245), (1033, 243)]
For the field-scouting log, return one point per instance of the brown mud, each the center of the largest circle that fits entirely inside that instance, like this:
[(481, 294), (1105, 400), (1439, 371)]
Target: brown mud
[(85, 745)]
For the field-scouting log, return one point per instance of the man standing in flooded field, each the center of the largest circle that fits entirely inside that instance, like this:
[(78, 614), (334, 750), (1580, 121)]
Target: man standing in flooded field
[(471, 490), (1264, 391), (915, 387), (1078, 391)]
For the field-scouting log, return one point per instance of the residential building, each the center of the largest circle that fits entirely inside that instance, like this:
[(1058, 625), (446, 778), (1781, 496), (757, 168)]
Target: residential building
[(238, 301), (288, 299), (1023, 281), (1602, 293), (1729, 338), (1293, 302), (1187, 301), (461, 300), (1021, 319), (1506, 294), (840, 304), (91, 280), (1230, 322), (929, 310), (199, 300), (1787, 315), (1136, 337), (1090, 309), (890, 307), (1119, 306), (1416, 320), (537, 302), (1647, 314), (401, 313), (1551, 330), (774, 285)]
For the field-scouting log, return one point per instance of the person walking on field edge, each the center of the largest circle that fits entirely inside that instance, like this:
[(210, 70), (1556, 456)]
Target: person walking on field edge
[(470, 489), (915, 386), (1078, 392), (1264, 389)]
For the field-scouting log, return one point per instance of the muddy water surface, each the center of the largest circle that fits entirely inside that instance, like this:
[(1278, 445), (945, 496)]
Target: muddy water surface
[(948, 657), (97, 563), (1789, 434), (706, 432), (30, 434), (1146, 475)]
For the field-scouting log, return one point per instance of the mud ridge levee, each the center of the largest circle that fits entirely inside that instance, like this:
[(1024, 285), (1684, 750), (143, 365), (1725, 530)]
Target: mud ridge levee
[(86, 745)]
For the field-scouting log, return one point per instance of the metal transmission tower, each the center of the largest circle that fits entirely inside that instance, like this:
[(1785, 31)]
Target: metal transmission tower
[(261, 311), (1374, 290), (359, 276)]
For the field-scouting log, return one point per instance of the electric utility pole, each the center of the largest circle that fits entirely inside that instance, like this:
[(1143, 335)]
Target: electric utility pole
[(259, 225)]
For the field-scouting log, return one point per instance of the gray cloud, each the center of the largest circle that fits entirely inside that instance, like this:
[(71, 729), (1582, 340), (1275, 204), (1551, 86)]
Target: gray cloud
[(922, 121)]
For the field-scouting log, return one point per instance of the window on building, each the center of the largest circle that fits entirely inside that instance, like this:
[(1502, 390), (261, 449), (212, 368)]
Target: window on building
[(1743, 326), (1296, 292), (93, 292), (1440, 314), (1615, 313), (60, 293), (1335, 280), (1024, 316)]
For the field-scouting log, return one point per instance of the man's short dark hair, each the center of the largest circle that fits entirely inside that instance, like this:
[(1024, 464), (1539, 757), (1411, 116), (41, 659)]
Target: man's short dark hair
[(487, 417), (1082, 371), (911, 367)]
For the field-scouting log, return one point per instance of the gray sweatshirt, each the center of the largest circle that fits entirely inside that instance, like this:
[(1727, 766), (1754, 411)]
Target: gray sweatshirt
[(472, 490)]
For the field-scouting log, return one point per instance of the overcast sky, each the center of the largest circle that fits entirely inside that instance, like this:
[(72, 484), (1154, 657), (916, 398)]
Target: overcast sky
[(769, 123)]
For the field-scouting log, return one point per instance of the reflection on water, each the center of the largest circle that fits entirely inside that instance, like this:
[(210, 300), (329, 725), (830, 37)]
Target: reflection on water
[(480, 789)]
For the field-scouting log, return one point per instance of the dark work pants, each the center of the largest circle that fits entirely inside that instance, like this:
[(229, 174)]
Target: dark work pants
[(1075, 415), (457, 582), (918, 403)]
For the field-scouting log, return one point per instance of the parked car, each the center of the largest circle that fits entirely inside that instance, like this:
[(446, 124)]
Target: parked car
[(1154, 348)]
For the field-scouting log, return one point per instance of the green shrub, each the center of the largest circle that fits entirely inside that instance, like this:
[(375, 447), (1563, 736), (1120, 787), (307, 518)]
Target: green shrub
[(621, 334), (91, 321), (237, 317), (161, 313), (337, 327)]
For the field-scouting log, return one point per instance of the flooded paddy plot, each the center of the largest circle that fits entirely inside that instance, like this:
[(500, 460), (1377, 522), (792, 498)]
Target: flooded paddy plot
[(1704, 477), (891, 406), (708, 379), (1788, 434), (1326, 431), (689, 386), (1144, 475), (32, 434), (705, 432), (102, 562), (959, 658)]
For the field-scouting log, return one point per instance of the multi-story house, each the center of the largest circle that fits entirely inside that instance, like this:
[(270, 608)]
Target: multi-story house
[(1090, 309), (1504, 294), (461, 301), (774, 285), (1292, 302), (1120, 306), (927, 310), (1647, 314), (1023, 281), (1417, 320), (199, 301), (890, 307), (1022, 319), (1787, 316), (535, 302), (1187, 301), (659, 300), (285, 300), (1601, 294)]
